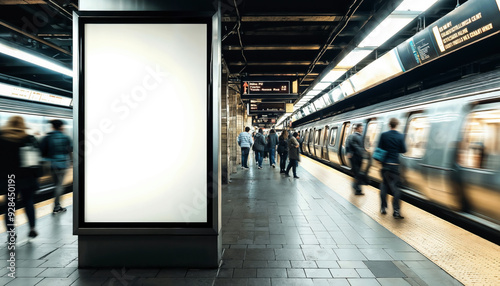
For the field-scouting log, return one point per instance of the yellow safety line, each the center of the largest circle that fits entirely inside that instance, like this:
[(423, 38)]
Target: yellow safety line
[(465, 256), (41, 209)]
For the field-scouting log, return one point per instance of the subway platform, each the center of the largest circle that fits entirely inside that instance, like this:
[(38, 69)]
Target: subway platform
[(283, 231)]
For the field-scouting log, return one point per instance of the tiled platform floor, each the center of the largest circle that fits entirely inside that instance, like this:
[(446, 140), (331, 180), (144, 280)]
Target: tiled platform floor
[(276, 231)]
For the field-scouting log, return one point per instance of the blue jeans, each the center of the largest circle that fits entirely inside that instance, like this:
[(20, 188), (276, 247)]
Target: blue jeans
[(244, 156), (272, 155), (260, 157)]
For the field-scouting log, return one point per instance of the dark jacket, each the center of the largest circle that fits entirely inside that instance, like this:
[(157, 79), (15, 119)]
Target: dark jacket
[(260, 142), (393, 142), (293, 149), (356, 146), (10, 163), (282, 145), (56, 147), (273, 140)]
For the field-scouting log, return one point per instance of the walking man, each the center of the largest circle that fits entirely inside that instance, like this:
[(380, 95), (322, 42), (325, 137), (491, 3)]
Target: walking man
[(393, 142), (357, 153), (56, 147), (245, 141)]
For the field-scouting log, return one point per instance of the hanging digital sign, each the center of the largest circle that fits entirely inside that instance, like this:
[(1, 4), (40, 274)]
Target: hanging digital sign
[(265, 87), (469, 23)]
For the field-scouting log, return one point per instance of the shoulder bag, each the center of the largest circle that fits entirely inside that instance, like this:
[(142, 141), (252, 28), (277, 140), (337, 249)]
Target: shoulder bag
[(379, 155)]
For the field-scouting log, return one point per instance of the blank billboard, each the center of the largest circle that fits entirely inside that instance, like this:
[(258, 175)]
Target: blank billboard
[(145, 103)]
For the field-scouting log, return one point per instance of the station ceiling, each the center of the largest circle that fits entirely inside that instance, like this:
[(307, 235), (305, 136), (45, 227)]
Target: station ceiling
[(278, 39)]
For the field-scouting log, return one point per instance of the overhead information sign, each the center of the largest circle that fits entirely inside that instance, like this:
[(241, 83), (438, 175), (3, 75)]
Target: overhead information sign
[(33, 95), (469, 23), (272, 107), (265, 87)]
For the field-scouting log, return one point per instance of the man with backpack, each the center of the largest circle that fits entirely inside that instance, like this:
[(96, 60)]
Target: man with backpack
[(56, 147)]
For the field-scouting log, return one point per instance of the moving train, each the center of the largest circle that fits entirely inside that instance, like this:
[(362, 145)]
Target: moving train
[(37, 117), (452, 134)]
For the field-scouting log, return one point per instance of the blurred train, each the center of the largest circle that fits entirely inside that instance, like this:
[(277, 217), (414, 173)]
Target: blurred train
[(37, 117), (452, 135)]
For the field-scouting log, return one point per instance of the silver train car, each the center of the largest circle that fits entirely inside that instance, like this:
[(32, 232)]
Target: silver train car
[(452, 135), (37, 117)]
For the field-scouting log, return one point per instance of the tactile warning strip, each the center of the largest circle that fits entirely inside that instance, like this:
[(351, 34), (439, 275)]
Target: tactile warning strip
[(465, 256)]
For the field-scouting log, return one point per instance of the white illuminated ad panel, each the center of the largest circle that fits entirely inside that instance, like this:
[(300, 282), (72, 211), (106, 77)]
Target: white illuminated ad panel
[(145, 123)]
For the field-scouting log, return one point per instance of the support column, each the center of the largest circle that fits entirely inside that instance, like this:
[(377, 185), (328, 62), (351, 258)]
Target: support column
[(225, 166), (233, 128)]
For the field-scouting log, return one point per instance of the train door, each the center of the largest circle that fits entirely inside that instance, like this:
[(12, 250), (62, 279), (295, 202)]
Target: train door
[(478, 160), (417, 135), (372, 134), (324, 143), (332, 146), (310, 141), (301, 140), (305, 148), (346, 131), (317, 144)]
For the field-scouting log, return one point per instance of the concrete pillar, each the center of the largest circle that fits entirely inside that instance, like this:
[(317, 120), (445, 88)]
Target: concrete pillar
[(233, 130), (225, 167)]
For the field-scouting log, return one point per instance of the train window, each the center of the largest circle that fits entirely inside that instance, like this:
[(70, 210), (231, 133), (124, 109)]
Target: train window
[(317, 137), (417, 136), (333, 136), (372, 131), (480, 146), (311, 136)]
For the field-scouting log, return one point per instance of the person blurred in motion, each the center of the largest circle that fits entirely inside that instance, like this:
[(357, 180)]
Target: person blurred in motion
[(273, 141), (301, 141), (245, 141), (253, 149), (356, 153), (266, 146), (393, 142), (16, 179), (56, 148), (293, 152), (283, 149), (259, 144)]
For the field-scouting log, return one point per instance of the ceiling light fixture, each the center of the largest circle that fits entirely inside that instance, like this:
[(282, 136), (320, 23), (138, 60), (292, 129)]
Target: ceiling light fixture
[(29, 56)]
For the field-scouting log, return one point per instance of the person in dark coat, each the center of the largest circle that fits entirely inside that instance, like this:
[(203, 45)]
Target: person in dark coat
[(293, 152), (56, 147), (283, 150), (16, 179), (259, 144), (272, 142), (357, 153), (393, 142)]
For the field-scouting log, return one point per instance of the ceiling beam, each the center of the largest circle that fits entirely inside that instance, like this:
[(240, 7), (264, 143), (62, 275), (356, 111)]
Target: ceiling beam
[(291, 18), (280, 48), (7, 25), (263, 74), (283, 63), (21, 2)]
